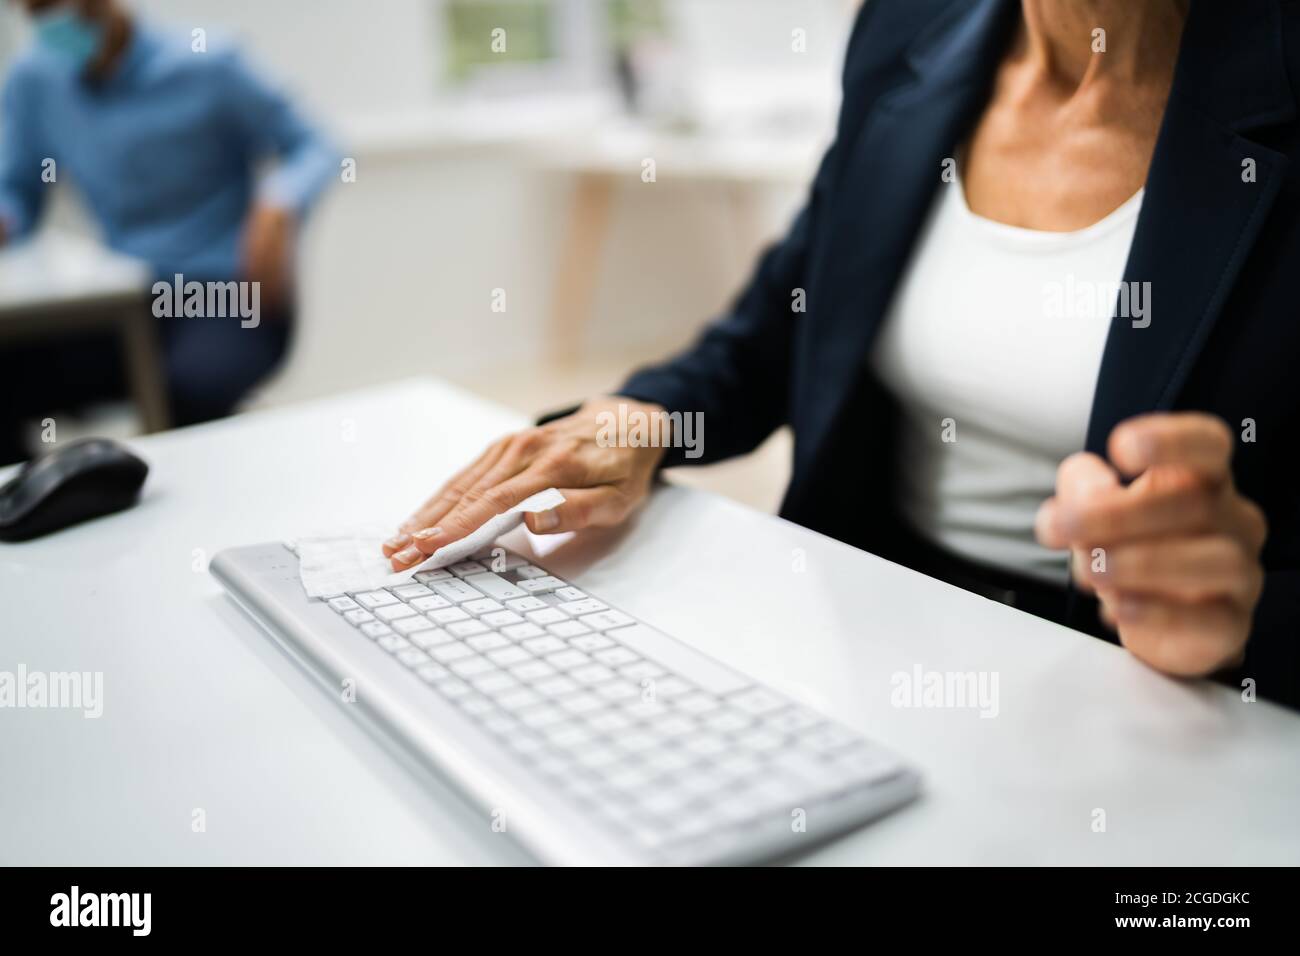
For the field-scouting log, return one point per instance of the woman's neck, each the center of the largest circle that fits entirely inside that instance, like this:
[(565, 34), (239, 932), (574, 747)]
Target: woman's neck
[(1079, 43)]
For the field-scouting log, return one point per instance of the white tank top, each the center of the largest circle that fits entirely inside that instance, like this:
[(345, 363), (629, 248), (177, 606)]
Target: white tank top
[(992, 346)]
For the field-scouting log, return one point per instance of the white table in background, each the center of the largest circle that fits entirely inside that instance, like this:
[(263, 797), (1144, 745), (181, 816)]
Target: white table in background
[(203, 712), (54, 286)]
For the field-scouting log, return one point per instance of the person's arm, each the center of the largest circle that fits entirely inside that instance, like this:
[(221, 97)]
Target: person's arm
[(270, 125), (736, 376), (22, 190)]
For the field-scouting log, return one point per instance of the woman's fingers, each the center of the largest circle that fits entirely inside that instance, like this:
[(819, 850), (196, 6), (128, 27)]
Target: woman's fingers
[(1200, 443), (473, 509), (598, 507), (1187, 640), (450, 493), (1181, 569)]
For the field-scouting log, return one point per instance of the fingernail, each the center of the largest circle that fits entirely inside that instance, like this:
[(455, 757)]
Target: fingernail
[(426, 534), (546, 520), (398, 540), (407, 556)]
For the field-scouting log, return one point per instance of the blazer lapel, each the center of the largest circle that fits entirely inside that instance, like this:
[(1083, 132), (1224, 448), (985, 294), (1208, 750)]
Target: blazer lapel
[(1201, 213), (887, 183)]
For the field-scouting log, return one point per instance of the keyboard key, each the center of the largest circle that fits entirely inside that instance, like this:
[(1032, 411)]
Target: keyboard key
[(541, 585), (569, 594), (608, 620), (509, 656), (393, 612), (482, 606), (410, 625), (533, 670), (490, 642), (590, 642), (456, 591), (495, 683), (430, 603), (432, 673), (446, 653), (428, 639), (610, 722), (546, 644), (413, 657), (392, 643), (466, 567), (466, 628), (547, 615), (614, 657), (343, 603), (567, 659), (530, 571), (792, 720), (584, 606), (376, 629), (517, 632), (523, 604), (727, 721), (424, 577), (472, 667), (495, 586), (519, 699), (618, 690), (408, 591), (556, 686), (359, 616), (501, 618), (582, 703), (454, 689), (476, 706), (566, 628), (374, 599), (592, 674), (542, 715), (447, 615)]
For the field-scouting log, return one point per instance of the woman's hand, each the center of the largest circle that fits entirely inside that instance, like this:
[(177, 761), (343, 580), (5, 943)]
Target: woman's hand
[(601, 482), (1173, 556)]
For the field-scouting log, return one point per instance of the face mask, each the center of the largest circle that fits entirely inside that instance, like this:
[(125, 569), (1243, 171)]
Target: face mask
[(65, 34)]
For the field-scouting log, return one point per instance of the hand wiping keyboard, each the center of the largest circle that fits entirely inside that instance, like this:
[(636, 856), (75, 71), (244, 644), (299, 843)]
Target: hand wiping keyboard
[(352, 561)]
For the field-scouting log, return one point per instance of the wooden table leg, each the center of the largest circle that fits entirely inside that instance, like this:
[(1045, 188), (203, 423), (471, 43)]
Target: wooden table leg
[(144, 368), (578, 269)]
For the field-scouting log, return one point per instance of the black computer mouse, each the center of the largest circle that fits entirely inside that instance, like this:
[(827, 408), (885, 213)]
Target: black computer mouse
[(82, 480)]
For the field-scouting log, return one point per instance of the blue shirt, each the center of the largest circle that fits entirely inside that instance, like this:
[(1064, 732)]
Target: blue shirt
[(165, 152)]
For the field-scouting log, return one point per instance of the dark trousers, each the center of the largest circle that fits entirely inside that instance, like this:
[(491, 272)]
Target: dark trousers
[(209, 365)]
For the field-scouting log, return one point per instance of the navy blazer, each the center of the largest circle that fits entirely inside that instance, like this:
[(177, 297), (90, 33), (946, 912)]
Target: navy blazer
[(1219, 247)]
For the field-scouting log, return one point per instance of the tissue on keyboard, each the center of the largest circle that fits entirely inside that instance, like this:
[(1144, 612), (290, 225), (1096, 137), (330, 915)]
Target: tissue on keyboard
[(332, 564)]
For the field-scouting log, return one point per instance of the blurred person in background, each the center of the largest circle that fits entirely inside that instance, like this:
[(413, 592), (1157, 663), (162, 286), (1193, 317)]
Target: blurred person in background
[(163, 138)]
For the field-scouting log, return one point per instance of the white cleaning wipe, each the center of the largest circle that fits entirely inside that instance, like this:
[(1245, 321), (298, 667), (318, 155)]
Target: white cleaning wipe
[(332, 564)]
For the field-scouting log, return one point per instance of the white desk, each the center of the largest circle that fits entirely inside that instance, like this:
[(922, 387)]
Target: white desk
[(55, 284), (201, 711)]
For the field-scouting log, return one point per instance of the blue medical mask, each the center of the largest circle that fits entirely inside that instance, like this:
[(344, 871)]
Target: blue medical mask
[(68, 36)]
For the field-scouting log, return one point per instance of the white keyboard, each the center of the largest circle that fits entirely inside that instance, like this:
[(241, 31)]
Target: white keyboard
[(674, 756)]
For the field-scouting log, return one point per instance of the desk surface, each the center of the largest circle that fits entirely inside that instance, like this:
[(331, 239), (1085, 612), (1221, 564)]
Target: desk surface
[(56, 269), (202, 712)]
